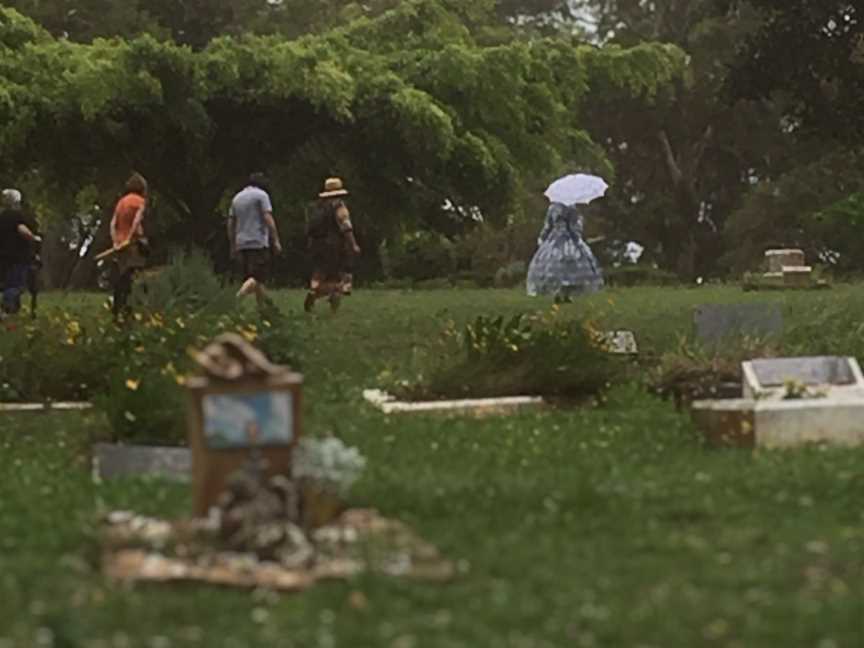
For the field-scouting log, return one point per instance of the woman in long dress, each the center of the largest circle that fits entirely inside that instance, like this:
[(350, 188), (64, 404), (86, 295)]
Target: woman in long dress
[(564, 265)]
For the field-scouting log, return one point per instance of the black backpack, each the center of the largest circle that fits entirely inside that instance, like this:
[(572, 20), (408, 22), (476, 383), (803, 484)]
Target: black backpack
[(322, 220)]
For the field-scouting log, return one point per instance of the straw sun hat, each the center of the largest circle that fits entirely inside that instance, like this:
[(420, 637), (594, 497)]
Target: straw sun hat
[(333, 187)]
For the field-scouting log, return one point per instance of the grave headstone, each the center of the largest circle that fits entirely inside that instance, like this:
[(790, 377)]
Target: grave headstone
[(716, 322), (621, 343), (111, 461), (778, 259), (835, 377), (242, 408)]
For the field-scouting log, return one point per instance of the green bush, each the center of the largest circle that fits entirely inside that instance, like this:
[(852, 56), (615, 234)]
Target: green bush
[(419, 257), (511, 275), (56, 357), (640, 275), (187, 285), (485, 251), (134, 371), (542, 354), (692, 372)]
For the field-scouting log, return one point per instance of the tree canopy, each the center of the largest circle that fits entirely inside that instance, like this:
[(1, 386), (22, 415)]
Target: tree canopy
[(408, 106)]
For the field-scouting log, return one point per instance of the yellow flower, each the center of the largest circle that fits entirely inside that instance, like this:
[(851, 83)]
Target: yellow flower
[(181, 380), (133, 385), (180, 323), (250, 335)]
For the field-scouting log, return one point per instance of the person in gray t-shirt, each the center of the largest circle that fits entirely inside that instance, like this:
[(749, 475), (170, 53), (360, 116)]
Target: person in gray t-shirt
[(252, 234)]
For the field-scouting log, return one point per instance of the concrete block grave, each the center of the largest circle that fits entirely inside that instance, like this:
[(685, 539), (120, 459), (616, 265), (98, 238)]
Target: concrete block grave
[(833, 377), (788, 403), (111, 461), (619, 343)]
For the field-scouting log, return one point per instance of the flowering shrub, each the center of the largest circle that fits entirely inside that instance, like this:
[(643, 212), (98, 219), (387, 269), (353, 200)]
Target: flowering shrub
[(134, 372), (541, 354)]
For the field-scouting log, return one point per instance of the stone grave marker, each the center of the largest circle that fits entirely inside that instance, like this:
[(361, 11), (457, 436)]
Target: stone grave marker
[(777, 260), (242, 408), (716, 322), (621, 343), (111, 461)]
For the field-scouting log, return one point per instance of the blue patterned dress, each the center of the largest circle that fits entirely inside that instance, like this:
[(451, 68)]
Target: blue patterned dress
[(564, 265)]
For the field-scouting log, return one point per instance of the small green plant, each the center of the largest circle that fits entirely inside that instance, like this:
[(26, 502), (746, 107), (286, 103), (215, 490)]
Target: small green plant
[(797, 390)]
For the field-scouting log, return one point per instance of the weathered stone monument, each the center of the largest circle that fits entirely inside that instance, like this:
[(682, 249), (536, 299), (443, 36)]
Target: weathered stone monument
[(785, 269)]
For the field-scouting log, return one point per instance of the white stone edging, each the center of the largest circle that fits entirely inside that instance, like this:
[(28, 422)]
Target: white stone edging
[(13, 408), (389, 405)]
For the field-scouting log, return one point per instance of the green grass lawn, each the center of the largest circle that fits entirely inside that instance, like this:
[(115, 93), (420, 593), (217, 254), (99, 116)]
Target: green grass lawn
[(599, 527)]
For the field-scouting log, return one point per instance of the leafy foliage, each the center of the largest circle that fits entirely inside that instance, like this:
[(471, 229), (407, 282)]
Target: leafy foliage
[(410, 107), (812, 53), (812, 207), (542, 354), (134, 372)]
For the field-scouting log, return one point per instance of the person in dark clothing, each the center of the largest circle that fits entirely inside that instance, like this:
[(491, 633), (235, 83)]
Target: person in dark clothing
[(17, 242), (332, 246)]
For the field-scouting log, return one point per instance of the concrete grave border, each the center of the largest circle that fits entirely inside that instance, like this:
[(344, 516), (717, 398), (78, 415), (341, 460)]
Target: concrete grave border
[(15, 408), (776, 425), (140, 461), (388, 404), (755, 389)]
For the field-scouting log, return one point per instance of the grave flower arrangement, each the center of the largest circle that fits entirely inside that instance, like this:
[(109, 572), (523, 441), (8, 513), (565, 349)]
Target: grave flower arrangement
[(537, 354), (325, 470)]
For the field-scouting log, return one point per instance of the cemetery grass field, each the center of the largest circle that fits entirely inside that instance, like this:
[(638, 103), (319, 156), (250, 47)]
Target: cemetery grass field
[(610, 526)]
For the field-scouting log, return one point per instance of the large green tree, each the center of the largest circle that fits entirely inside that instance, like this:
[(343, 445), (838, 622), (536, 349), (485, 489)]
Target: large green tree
[(683, 163), (807, 59), (812, 55), (428, 125)]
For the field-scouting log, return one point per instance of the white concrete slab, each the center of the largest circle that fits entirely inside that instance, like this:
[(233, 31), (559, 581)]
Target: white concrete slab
[(14, 408), (779, 424), (794, 423), (389, 405)]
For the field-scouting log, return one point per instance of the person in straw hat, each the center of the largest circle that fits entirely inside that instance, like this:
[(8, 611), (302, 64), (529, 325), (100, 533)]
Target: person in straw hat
[(332, 246)]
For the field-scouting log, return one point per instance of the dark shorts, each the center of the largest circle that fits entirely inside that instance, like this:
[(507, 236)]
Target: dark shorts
[(256, 264)]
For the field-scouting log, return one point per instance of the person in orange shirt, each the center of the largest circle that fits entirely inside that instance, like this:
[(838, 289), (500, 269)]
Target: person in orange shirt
[(127, 236)]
